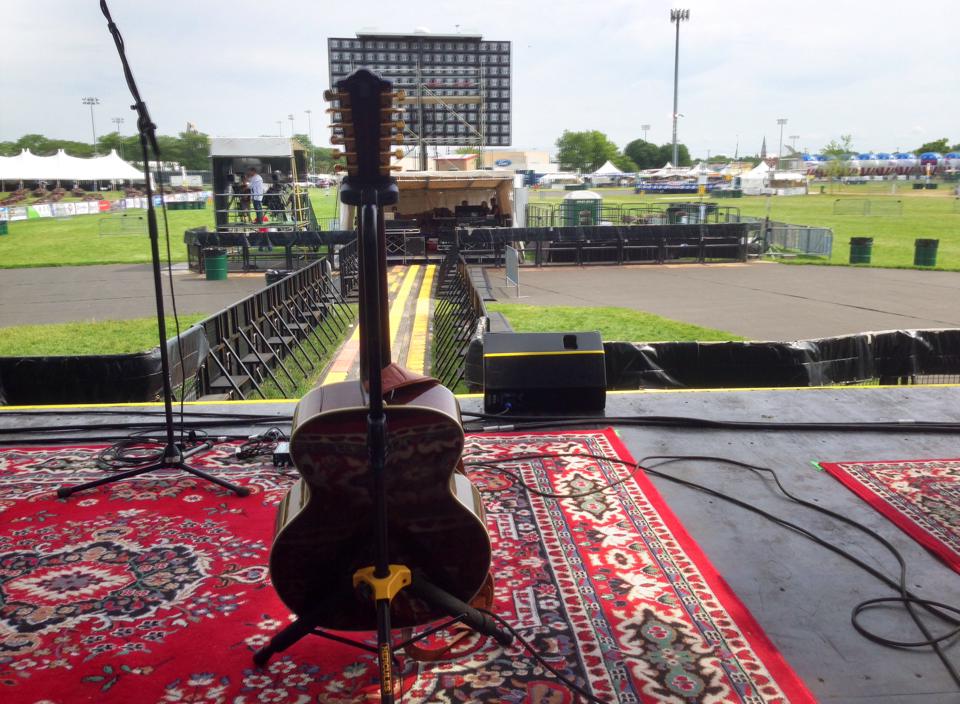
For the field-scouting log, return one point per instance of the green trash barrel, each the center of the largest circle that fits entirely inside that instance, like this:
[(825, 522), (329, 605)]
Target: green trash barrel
[(925, 252), (861, 249), (215, 263), (3, 227)]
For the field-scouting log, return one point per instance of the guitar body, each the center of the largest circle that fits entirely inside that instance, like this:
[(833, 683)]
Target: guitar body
[(325, 523)]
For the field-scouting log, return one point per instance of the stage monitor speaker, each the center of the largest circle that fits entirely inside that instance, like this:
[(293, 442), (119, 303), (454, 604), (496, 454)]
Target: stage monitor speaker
[(544, 371)]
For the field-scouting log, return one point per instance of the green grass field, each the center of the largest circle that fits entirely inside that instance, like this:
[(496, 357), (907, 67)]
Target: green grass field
[(925, 214), (77, 240), (621, 324), (929, 214), (100, 337)]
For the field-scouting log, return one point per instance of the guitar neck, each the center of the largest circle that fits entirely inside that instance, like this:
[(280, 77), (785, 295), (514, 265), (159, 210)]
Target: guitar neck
[(366, 128), (383, 299)]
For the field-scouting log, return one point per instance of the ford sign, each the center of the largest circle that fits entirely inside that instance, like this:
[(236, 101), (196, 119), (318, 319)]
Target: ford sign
[(503, 162)]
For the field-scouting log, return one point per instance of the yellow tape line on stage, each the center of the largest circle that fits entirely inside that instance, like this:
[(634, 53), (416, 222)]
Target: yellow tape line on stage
[(400, 302), (340, 368), (416, 356)]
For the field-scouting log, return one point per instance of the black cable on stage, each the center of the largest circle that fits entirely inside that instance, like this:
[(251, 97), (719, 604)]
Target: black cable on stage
[(542, 660), (534, 422), (905, 598), (173, 295)]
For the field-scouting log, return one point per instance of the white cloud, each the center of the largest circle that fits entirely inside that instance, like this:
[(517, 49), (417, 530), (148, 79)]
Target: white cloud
[(236, 68)]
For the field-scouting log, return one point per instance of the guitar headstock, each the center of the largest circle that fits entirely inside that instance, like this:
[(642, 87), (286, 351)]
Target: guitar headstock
[(366, 125)]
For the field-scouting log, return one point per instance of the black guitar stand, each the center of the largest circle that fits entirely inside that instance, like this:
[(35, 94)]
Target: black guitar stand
[(382, 581), (174, 456)]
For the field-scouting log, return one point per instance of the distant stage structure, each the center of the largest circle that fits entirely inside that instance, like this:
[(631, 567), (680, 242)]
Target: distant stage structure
[(458, 86)]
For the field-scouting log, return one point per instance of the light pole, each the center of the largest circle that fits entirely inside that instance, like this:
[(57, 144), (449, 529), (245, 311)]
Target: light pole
[(644, 128), (290, 117), (793, 139), (780, 121), (676, 16), (280, 127), (93, 128), (119, 121), (313, 165)]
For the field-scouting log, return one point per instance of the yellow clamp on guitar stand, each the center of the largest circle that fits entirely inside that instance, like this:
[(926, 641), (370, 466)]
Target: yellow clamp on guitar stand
[(383, 587)]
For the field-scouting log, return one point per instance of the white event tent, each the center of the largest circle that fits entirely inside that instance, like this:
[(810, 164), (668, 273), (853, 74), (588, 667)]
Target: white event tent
[(27, 166), (607, 173)]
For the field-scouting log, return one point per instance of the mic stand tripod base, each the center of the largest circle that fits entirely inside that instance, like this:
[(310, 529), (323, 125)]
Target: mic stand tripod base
[(173, 458)]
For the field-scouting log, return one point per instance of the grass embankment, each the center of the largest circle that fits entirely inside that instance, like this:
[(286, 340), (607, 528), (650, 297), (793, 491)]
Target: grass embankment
[(140, 335), (77, 240), (925, 214), (87, 338), (620, 324), (304, 366)]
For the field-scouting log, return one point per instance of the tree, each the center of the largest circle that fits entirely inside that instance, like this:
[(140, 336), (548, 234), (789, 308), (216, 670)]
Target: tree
[(584, 151), (838, 149), (644, 154), (665, 154), (625, 163), (940, 145), (194, 150), (467, 150)]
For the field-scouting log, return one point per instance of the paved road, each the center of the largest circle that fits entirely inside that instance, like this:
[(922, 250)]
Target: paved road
[(758, 300), (111, 292)]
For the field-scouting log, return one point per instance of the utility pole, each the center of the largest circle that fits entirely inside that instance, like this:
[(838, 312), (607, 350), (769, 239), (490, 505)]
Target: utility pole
[(93, 128), (119, 121), (676, 16), (313, 162), (780, 121)]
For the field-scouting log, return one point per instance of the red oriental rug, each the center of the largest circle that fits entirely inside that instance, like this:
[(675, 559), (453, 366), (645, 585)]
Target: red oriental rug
[(155, 590), (922, 497)]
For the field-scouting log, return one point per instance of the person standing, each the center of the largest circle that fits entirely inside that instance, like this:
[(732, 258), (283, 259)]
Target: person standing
[(255, 183)]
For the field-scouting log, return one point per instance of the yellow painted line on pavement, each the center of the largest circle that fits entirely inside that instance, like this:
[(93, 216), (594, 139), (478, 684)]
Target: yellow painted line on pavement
[(416, 357), (400, 302), (340, 368)]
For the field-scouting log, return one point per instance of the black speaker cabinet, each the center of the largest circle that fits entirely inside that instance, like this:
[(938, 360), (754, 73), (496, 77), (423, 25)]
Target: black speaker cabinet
[(554, 372)]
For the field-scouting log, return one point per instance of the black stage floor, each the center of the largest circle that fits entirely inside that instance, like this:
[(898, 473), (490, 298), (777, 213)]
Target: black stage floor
[(801, 594)]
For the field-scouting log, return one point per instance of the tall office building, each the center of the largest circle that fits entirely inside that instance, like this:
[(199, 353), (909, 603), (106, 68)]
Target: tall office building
[(457, 86)]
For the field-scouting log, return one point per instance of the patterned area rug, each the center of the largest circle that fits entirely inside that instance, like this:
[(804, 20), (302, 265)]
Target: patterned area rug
[(155, 590), (922, 497)]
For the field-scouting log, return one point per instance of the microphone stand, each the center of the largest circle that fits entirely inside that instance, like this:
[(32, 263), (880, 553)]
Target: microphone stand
[(174, 456)]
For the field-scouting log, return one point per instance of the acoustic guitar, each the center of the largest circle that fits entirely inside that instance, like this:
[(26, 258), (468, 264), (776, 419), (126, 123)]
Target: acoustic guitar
[(325, 524)]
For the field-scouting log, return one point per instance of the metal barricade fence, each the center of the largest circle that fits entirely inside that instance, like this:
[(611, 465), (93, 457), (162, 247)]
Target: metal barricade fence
[(458, 313), (799, 239), (254, 341)]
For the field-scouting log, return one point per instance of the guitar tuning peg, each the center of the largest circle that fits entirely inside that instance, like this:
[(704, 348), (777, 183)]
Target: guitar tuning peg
[(330, 95), (398, 154), (399, 94)]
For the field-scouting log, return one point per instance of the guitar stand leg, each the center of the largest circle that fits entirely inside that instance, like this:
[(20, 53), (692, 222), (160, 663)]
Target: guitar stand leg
[(283, 640)]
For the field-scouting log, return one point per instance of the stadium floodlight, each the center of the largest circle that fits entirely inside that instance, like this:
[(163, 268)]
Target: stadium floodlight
[(676, 16), (645, 129), (313, 164), (780, 121), (118, 121), (793, 139), (91, 101)]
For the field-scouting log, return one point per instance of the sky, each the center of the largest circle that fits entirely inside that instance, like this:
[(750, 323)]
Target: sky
[(883, 72)]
